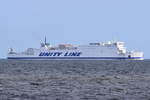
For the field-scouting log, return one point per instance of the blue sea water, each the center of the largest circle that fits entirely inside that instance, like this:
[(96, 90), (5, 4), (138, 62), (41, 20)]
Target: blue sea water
[(74, 80)]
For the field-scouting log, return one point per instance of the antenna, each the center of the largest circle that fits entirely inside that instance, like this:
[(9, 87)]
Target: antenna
[(115, 37), (45, 40)]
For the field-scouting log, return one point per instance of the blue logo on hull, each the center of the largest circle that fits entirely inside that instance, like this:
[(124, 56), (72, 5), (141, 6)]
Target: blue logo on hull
[(53, 54)]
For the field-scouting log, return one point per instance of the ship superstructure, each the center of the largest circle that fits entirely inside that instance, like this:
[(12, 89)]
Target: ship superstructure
[(99, 51)]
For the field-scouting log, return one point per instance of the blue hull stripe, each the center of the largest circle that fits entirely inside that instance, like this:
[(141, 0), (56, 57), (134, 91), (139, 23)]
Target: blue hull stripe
[(73, 58)]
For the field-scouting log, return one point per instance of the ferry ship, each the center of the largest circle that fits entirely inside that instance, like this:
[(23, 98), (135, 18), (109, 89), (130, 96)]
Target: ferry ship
[(92, 51)]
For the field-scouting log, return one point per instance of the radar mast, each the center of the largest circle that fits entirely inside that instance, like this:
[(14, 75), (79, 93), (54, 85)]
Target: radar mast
[(45, 43), (45, 40)]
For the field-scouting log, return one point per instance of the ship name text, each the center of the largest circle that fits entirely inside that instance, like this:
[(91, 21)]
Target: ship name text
[(60, 54)]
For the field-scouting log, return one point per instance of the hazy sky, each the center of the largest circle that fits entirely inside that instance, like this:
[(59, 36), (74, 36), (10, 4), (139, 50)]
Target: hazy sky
[(24, 23)]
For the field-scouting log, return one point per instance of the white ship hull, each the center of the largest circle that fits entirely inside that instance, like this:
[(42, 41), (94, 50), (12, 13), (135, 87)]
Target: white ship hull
[(96, 54), (93, 51)]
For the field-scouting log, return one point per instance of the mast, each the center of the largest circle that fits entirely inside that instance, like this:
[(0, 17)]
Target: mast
[(45, 40)]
